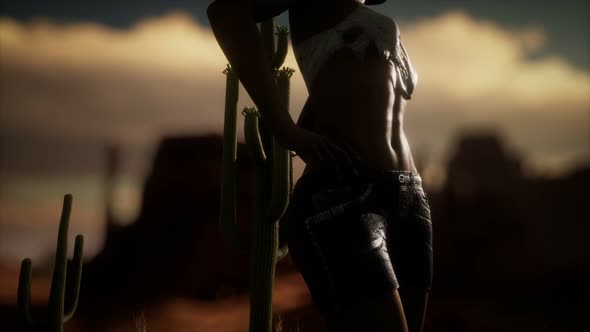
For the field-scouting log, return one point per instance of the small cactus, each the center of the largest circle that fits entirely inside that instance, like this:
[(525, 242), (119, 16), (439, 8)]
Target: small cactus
[(62, 304)]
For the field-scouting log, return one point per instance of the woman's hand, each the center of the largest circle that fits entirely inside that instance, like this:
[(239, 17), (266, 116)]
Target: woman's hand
[(311, 146)]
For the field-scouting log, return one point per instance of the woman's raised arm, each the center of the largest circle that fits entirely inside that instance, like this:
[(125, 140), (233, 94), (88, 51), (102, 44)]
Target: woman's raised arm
[(234, 26)]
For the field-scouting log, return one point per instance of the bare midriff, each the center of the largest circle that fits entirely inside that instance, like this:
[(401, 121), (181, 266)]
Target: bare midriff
[(352, 101)]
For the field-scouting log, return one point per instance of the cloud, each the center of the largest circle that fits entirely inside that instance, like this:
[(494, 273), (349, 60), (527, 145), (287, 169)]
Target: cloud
[(477, 60), (171, 42)]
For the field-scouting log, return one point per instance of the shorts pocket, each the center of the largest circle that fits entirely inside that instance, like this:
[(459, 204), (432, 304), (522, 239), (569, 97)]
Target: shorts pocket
[(422, 205)]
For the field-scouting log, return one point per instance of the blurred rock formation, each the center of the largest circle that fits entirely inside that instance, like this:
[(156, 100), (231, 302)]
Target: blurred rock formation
[(173, 248)]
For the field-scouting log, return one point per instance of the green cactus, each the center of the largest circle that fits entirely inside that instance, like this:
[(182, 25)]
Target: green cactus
[(281, 186), (59, 310), (282, 45), (227, 213), (274, 177)]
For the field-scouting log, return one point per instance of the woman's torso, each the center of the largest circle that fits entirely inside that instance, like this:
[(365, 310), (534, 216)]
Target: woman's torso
[(352, 99)]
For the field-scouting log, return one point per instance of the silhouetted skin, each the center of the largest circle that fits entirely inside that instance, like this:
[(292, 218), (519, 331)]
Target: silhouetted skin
[(352, 116)]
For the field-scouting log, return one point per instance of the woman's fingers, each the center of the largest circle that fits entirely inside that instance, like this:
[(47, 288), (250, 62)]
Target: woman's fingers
[(329, 150), (339, 153), (321, 148), (351, 151)]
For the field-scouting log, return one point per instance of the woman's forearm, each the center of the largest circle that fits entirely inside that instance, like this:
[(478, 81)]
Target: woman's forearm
[(236, 32)]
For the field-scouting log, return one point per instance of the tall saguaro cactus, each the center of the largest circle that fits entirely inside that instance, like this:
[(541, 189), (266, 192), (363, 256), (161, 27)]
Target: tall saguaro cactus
[(273, 182), (59, 310)]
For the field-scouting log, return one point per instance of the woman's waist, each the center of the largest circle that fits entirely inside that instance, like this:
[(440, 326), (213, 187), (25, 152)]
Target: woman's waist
[(335, 169), (360, 168), (373, 149), (336, 180)]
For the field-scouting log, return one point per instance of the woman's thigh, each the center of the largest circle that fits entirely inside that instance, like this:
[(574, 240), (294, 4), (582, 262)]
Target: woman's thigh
[(414, 300), (409, 239), (339, 245), (410, 243)]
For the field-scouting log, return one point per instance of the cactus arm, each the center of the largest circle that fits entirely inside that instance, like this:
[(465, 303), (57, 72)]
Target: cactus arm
[(283, 247), (264, 234), (282, 46), (280, 170), (73, 290), (263, 255), (227, 212), (280, 179), (252, 135), (262, 272), (283, 78), (24, 291), (57, 292)]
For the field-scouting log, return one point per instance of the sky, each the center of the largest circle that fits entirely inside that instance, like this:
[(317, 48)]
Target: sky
[(564, 22), (78, 76)]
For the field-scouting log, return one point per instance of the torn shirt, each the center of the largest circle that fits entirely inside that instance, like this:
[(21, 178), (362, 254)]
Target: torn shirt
[(357, 31)]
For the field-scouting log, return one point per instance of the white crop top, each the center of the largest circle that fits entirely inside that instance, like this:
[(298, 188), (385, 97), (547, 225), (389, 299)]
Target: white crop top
[(357, 31)]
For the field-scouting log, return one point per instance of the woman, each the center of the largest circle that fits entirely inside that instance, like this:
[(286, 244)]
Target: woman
[(359, 224)]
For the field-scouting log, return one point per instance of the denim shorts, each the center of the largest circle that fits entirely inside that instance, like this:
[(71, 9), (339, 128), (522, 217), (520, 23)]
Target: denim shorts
[(356, 237)]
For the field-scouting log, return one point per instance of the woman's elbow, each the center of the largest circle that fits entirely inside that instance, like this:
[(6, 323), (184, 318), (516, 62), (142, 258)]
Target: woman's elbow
[(218, 8), (213, 10)]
